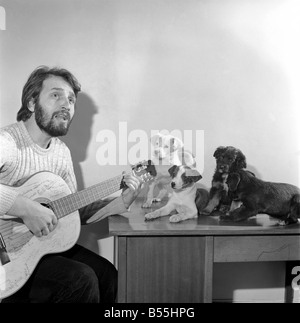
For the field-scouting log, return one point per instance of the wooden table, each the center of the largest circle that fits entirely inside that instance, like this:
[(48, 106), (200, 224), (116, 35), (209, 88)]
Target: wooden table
[(163, 262)]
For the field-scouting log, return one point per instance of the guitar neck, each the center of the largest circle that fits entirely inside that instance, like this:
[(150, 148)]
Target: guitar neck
[(76, 201)]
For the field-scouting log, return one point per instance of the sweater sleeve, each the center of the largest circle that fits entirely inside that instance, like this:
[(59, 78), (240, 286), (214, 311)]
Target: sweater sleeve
[(102, 209), (8, 152), (7, 197), (69, 174)]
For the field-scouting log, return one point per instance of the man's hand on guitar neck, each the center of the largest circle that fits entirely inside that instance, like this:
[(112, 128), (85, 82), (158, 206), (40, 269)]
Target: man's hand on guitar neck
[(134, 185), (39, 220)]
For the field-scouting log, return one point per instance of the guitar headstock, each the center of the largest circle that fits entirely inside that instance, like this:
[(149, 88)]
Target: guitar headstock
[(145, 170)]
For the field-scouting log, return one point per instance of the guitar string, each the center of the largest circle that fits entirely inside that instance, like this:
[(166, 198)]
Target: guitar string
[(73, 202), (63, 203)]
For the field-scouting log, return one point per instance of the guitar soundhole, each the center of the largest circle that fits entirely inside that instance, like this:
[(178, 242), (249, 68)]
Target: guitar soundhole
[(46, 205), (43, 201)]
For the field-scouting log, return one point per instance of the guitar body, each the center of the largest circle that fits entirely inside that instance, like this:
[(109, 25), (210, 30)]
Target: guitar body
[(20, 250), (24, 250)]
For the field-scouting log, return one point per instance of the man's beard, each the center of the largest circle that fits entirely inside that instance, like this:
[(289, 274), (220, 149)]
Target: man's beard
[(51, 127)]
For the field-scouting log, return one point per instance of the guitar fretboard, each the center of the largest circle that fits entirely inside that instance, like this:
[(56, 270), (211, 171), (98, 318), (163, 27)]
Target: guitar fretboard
[(74, 202)]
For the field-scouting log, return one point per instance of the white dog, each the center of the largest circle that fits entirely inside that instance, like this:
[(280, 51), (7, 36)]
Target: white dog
[(167, 151), (183, 196)]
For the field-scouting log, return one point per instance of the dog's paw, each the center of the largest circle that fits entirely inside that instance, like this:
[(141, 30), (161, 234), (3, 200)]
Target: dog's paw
[(152, 215), (287, 221), (204, 212), (178, 217), (281, 223), (156, 200), (147, 204), (175, 218), (208, 209)]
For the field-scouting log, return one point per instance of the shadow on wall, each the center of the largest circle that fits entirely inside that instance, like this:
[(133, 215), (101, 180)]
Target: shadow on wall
[(78, 139), (79, 135)]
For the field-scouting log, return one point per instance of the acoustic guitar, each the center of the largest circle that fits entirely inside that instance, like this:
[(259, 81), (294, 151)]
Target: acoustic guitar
[(20, 250)]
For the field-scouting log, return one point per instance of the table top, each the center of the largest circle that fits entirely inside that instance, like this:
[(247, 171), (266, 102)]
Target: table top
[(133, 224)]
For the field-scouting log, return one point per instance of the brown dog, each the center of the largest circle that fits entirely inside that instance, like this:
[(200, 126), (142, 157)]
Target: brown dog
[(279, 200), (228, 159)]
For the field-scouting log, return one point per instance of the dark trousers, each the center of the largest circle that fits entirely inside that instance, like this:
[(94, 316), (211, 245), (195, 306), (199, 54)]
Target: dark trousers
[(75, 276)]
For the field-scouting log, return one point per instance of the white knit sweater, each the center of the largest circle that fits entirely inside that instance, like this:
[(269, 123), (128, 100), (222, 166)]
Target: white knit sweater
[(20, 158)]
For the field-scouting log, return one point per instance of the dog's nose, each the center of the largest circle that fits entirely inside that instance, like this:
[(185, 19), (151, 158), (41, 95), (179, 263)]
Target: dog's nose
[(173, 184)]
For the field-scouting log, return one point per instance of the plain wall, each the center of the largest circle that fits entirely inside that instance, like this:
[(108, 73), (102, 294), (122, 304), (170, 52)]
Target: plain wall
[(225, 71)]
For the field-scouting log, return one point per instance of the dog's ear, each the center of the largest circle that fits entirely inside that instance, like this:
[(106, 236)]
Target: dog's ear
[(187, 158), (192, 174), (173, 170), (175, 143), (248, 171), (233, 181), (219, 151), (240, 160)]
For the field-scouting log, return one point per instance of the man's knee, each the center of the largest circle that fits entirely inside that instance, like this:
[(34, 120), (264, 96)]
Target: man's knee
[(85, 285)]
